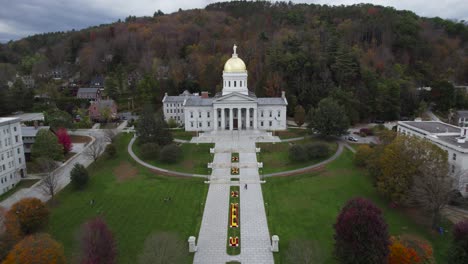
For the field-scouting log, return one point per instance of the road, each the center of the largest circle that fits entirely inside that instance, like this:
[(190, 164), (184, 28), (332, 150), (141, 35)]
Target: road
[(63, 172)]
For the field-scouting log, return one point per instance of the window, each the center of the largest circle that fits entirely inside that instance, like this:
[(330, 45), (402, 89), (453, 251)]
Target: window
[(454, 156), (261, 114), (453, 168), (219, 123), (279, 113), (191, 124), (191, 115), (167, 110), (199, 114), (234, 83), (19, 160), (18, 150), (261, 123), (208, 124), (271, 113), (14, 128), (271, 124), (229, 83), (208, 114)]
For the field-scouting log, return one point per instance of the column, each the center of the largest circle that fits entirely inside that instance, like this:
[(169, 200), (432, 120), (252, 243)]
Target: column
[(247, 118), (255, 118), (231, 119), (215, 113), (223, 119)]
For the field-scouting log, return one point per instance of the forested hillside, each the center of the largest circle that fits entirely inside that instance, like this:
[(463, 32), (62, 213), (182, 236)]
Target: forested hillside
[(369, 58)]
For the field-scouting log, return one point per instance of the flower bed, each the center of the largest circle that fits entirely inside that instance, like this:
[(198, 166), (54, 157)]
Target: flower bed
[(234, 157), (234, 171), (233, 236)]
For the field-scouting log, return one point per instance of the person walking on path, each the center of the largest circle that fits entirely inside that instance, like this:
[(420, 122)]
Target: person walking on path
[(245, 186)]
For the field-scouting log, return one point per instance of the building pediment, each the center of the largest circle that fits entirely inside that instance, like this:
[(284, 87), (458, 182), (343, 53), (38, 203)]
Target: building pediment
[(235, 97)]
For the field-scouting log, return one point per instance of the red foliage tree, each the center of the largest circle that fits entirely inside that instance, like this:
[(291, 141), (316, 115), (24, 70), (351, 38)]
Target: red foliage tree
[(37, 249), (361, 234), (31, 214), (97, 243), (458, 252), (64, 139)]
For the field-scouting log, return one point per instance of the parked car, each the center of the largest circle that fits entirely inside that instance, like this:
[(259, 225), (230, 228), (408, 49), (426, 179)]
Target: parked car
[(353, 139)]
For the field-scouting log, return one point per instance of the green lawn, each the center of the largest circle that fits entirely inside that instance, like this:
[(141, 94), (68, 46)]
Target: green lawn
[(21, 185), (275, 157), (131, 199), (305, 208), (291, 133), (182, 134), (195, 158)]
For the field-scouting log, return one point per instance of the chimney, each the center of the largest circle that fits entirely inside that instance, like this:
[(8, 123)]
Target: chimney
[(35, 124), (283, 94), (463, 132), (204, 94)]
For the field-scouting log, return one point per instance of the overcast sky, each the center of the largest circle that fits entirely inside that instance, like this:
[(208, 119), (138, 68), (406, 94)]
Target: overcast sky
[(20, 18)]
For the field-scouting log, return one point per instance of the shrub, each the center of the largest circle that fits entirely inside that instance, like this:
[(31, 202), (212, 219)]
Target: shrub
[(37, 249), (297, 153), (458, 252), (150, 151), (410, 249), (170, 153), (79, 176), (171, 123), (110, 150), (361, 234), (97, 243), (366, 131), (317, 150), (362, 156), (31, 214)]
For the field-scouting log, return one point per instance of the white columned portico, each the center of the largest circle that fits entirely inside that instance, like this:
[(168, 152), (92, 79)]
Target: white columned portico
[(223, 118), (231, 119), (247, 118), (215, 119), (255, 118)]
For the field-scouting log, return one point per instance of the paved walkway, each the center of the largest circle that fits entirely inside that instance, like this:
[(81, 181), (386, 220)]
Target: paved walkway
[(255, 237)]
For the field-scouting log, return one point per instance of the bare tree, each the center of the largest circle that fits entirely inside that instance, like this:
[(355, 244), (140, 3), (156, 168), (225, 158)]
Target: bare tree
[(162, 248), (110, 134), (432, 188), (94, 150), (304, 251), (49, 183)]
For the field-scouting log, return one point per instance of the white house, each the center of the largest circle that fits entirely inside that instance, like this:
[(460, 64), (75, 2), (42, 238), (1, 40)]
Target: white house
[(12, 161), (448, 137), (234, 108)]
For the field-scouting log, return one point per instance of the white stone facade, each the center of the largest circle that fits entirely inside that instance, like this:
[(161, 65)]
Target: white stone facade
[(448, 137), (235, 108), (12, 160)]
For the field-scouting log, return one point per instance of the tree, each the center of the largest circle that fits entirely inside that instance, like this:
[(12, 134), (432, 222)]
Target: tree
[(10, 232), (37, 249), (30, 213), (409, 249), (152, 128), (163, 248), (79, 176), (299, 115), (362, 156), (297, 153), (110, 134), (57, 119), (50, 181), (458, 251), (64, 139), (361, 234), (97, 243), (110, 150), (47, 146), (150, 151), (170, 153), (328, 119), (316, 150), (94, 150)]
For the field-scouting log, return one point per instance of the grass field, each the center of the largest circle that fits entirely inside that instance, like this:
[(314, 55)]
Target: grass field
[(195, 158), (182, 134), (131, 199), (275, 157), (291, 133), (305, 208)]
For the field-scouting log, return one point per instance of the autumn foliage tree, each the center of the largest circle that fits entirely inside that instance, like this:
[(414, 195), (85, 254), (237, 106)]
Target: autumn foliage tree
[(97, 243), (361, 234), (38, 249), (31, 213), (64, 139), (409, 250), (10, 233)]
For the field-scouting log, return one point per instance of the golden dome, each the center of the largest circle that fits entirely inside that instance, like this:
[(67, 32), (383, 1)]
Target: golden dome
[(235, 64)]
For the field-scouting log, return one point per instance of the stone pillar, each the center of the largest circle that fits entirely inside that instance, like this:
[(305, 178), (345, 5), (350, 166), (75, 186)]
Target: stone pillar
[(247, 118), (255, 118), (275, 243), (223, 119), (231, 119), (191, 244), (215, 119)]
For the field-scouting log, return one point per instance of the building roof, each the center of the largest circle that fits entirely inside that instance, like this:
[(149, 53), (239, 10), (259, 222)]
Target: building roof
[(453, 141), (104, 103), (8, 120), (198, 101), (271, 101), (174, 99), (462, 113), (433, 127), (30, 131), (88, 90), (24, 117), (235, 64)]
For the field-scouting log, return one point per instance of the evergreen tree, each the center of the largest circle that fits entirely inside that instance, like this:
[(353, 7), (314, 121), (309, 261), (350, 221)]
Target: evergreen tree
[(328, 119), (47, 146)]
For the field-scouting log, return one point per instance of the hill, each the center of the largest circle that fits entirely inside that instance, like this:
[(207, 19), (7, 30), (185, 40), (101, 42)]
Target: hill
[(369, 58)]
